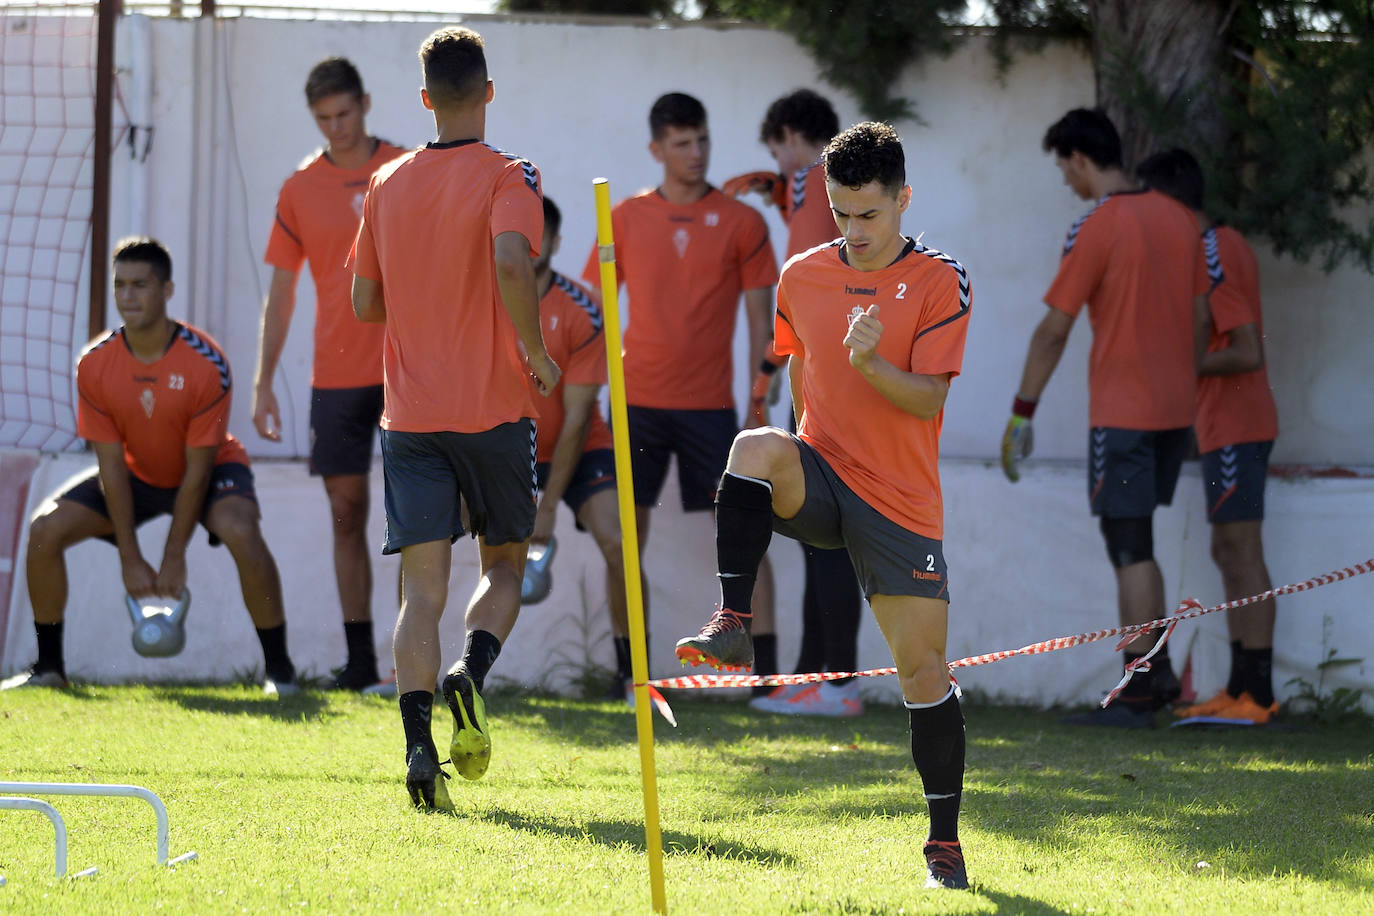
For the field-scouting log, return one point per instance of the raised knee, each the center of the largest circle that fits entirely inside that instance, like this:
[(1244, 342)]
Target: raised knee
[(757, 451)]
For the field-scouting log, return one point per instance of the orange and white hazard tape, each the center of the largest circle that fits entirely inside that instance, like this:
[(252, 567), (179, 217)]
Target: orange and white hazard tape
[(1187, 610)]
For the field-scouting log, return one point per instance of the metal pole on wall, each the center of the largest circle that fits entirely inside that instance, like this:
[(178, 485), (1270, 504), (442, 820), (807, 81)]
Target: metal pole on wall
[(107, 11)]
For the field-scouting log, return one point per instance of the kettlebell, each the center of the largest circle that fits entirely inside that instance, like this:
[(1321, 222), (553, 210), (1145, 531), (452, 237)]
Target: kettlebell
[(159, 625), (538, 576)]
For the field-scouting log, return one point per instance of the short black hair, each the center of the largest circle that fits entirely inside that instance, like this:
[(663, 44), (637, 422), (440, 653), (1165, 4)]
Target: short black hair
[(808, 113), (675, 109), (553, 219), (1088, 131), (141, 249), (454, 62), (1175, 172), (870, 151), (333, 76)]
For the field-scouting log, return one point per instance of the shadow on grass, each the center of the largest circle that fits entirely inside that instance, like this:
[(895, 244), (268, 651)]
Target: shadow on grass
[(305, 705), (631, 833), (1259, 803)]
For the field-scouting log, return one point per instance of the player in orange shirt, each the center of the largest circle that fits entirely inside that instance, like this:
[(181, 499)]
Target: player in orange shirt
[(317, 217), (1236, 425), (443, 258), (1134, 260), (796, 129), (685, 253), (154, 404), (875, 325), (575, 451)]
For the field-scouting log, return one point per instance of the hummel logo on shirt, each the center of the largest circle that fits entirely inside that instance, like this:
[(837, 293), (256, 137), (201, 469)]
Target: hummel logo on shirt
[(860, 290)]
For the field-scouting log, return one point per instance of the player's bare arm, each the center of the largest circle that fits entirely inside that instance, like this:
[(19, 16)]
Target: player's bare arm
[(368, 304), (186, 510), (919, 395), (1244, 352), (520, 296), (1046, 347), (277, 310), (758, 311), (578, 403), (140, 579)]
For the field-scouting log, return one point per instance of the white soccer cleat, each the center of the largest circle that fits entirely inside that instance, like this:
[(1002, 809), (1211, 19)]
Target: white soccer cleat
[(31, 678), (823, 699)]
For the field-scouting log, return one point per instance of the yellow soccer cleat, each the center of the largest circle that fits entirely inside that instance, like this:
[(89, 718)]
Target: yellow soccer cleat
[(470, 751)]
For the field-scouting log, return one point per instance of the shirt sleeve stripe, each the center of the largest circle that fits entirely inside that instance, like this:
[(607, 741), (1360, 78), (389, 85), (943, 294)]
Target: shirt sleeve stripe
[(965, 288)]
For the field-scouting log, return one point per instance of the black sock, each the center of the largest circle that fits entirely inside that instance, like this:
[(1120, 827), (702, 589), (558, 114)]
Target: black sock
[(479, 654), (744, 526), (841, 610), (274, 657), (811, 656), (50, 648), (765, 658), (1235, 684), (416, 707), (937, 748), (623, 666), (358, 638), (1139, 689), (1259, 675)]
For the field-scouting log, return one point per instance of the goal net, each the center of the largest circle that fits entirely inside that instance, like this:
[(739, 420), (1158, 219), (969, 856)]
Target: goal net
[(47, 145)]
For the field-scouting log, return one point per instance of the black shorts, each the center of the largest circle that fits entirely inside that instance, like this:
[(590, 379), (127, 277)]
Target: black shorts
[(701, 439), (428, 476), (890, 559), (1233, 479), (229, 479), (1130, 471), (343, 429), (595, 472)]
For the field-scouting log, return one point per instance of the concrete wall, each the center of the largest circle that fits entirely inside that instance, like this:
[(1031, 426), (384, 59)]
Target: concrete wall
[(1026, 563)]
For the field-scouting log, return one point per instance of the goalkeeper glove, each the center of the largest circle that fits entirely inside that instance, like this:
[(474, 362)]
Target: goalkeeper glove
[(769, 184), (1019, 438), (765, 393)]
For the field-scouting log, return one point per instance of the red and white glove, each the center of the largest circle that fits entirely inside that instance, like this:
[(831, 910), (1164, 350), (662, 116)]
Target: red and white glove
[(770, 184)]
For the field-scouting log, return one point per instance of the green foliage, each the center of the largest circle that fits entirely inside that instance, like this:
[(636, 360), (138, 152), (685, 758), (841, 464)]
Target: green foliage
[(862, 45), (1342, 705)]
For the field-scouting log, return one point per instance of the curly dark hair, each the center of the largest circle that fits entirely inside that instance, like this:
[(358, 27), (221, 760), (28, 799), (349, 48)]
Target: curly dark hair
[(333, 76), (866, 152), (140, 249), (553, 217), (1175, 172), (808, 113), (454, 61), (1088, 131)]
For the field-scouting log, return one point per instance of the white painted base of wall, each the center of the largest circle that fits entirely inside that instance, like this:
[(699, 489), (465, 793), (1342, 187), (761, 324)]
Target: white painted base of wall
[(1026, 564)]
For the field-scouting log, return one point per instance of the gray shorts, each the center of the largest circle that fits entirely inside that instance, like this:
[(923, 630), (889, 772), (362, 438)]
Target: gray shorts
[(343, 426), (1130, 471), (428, 476), (1233, 477), (889, 559)]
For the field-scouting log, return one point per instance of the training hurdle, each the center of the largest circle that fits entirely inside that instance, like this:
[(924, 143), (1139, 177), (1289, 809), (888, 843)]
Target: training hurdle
[(59, 826), (87, 789)]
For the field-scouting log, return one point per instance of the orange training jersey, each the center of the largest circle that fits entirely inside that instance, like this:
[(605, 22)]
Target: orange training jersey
[(1134, 260), (317, 218), (158, 411), (886, 455), (572, 325), (1232, 409), (452, 358), (684, 268), (810, 221)]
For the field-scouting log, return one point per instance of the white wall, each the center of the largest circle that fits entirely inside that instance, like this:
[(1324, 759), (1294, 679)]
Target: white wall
[(1026, 563)]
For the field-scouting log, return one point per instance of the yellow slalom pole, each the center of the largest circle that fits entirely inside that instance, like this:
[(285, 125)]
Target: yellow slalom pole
[(629, 537)]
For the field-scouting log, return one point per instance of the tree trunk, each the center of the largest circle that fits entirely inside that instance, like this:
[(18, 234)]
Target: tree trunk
[(1160, 68)]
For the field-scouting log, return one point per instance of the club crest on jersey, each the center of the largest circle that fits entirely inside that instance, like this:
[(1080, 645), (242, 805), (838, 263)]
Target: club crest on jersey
[(855, 314), (358, 199), (680, 240), (148, 400), (712, 218)]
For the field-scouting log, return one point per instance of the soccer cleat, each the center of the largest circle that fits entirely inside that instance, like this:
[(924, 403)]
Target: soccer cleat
[(1212, 707), (945, 865), (1244, 709), (1165, 686), (723, 643), (815, 700), (385, 687), (426, 781), (770, 701), (470, 750), (281, 687), (353, 676), (34, 678), (1116, 715)]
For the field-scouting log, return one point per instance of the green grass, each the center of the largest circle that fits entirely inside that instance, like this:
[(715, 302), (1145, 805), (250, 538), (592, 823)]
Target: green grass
[(300, 805)]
